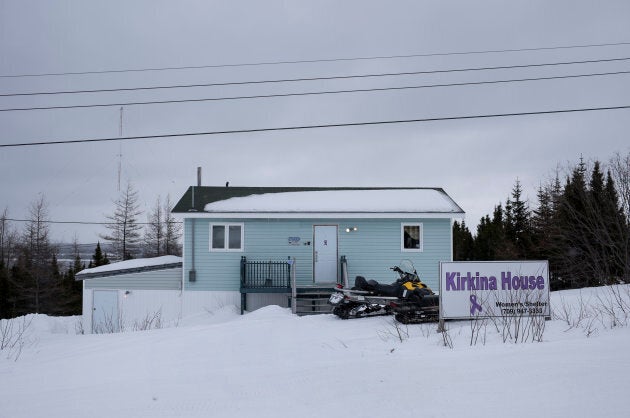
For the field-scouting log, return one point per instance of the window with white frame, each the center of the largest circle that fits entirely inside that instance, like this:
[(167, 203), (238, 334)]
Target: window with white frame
[(411, 237), (226, 237)]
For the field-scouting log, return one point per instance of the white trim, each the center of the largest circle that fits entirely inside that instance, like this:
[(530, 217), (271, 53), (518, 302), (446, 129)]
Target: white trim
[(324, 215), (402, 235), (450, 236), (226, 237)]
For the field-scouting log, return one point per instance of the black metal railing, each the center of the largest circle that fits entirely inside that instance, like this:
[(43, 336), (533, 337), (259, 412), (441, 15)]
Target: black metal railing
[(265, 274)]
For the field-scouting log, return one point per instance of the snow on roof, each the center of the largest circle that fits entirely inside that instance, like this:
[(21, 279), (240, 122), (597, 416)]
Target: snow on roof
[(135, 264), (342, 201)]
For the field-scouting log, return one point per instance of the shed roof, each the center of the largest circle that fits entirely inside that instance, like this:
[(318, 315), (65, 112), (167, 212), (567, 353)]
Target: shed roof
[(317, 200), (131, 266)]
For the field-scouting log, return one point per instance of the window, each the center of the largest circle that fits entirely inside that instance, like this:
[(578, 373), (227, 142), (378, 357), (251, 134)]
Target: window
[(226, 237), (411, 237)]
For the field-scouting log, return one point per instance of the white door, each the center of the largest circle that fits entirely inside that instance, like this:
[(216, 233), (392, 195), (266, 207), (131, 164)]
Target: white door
[(105, 311), (325, 254)]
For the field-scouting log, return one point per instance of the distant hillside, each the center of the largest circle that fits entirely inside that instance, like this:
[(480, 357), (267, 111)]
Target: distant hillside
[(65, 252)]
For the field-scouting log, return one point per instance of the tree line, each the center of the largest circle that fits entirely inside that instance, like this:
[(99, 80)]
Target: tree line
[(580, 223), (32, 280)]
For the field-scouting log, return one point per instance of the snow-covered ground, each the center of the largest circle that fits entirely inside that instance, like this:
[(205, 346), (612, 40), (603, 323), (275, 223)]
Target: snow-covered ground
[(269, 363)]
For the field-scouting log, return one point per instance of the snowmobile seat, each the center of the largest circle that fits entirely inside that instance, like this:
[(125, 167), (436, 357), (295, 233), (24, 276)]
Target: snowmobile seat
[(385, 289), (361, 284)]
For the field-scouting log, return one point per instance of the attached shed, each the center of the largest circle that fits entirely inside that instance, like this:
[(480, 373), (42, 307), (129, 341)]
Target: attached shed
[(132, 295), (244, 244)]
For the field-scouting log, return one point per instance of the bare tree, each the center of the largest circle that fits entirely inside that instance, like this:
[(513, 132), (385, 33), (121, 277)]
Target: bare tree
[(124, 227), (163, 232), (620, 171), (35, 257), (594, 237), (8, 240), (154, 231), (172, 230)]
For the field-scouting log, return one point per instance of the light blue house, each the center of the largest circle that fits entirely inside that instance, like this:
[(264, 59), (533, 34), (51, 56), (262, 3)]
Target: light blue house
[(255, 246)]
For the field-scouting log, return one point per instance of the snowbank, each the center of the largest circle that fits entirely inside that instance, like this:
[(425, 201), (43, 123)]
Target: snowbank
[(270, 363)]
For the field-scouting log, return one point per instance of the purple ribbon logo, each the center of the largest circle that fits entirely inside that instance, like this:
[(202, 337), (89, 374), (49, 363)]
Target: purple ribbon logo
[(474, 305)]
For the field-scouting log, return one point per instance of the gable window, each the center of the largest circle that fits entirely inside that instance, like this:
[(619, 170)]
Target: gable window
[(411, 237), (226, 237)]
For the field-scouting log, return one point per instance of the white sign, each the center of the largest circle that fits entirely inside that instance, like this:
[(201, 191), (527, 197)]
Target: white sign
[(481, 289)]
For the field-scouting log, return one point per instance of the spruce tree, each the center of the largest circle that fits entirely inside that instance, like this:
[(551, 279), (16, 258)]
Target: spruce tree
[(462, 242), (98, 259), (619, 232), (518, 223), (5, 290), (572, 215)]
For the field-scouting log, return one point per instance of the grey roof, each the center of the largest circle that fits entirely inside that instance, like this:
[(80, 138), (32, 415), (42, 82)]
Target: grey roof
[(113, 271), (197, 197)]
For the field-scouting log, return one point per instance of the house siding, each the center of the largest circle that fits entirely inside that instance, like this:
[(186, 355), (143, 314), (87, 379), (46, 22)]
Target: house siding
[(370, 250)]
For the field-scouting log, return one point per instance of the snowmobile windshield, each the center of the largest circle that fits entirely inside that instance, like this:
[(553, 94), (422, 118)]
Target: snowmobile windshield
[(407, 266)]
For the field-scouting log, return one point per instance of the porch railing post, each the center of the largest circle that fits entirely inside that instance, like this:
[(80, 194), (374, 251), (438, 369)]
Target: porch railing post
[(344, 271), (293, 285), (243, 275), (243, 270)]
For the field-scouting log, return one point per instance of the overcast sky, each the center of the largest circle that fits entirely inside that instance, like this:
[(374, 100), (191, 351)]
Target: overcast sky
[(476, 161)]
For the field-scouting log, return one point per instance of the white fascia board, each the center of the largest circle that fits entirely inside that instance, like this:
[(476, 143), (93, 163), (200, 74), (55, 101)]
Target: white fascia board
[(323, 215)]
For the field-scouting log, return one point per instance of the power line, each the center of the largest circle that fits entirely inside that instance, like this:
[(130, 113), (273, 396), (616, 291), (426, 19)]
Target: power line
[(377, 57), (341, 77), (79, 222), (313, 93), (303, 127)]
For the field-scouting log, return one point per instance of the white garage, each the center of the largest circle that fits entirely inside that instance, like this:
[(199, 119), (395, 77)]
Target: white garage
[(132, 295)]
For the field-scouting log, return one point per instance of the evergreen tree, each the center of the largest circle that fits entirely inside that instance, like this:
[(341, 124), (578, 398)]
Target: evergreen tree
[(5, 257), (483, 247), (462, 242), (54, 299), (597, 227), (98, 259), (542, 223), (572, 214), (518, 223), (618, 230), (490, 242), (5, 291), (72, 289), (21, 281)]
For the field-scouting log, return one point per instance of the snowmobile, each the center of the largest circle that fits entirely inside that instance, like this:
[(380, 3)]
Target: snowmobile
[(359, 301), (410, 299), (417, 309)]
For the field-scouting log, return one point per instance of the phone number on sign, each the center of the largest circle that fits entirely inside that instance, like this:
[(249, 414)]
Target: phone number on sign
[(521, 311)]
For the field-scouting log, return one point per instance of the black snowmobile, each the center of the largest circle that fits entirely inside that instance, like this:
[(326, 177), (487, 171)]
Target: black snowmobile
[(410, 299)]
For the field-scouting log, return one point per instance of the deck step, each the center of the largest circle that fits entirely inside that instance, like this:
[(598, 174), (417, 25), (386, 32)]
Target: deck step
[(313, 303)]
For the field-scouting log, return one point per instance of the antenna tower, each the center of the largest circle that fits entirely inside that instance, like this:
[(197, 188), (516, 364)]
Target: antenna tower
[(120, 132)]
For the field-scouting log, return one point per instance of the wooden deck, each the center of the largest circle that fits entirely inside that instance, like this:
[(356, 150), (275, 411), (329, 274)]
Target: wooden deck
[(278, 277)]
